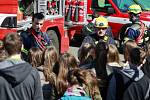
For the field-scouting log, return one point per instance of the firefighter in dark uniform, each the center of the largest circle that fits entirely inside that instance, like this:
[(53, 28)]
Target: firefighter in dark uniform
[(101, 32), (33, 37), (138, 30)]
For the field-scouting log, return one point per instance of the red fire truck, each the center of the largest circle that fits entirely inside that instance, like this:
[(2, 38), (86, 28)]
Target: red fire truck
[(15, 16), (65, 18)]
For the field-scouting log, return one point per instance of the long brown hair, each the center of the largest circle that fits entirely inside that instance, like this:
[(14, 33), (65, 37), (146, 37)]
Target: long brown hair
[(113, 54), (85, 78), (84, 53), (50, 58), (147, 49), (128, 46), (66, 62), (35, 57)]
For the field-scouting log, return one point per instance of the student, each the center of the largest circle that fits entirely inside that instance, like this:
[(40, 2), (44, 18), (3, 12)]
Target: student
[(82, 86), (3, 52), (128, 46), (35, 57), (130, 83), (50, 58), (113, 61), (87, 56), (19, 80), (146, 66), (65, 63)]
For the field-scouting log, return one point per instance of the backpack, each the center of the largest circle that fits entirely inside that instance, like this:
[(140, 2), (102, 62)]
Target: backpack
[(141, 28), (122, 34)]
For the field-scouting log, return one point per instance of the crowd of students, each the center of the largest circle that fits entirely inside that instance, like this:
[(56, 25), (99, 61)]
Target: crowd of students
[(97, 75)]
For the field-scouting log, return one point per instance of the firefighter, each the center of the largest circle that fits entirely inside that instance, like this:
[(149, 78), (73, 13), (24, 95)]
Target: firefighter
[(34, 37), (101, 32), (137, 30)]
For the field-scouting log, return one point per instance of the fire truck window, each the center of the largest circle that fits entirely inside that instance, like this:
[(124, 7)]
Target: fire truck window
[(5, 23), (100, 5), (9, 22), (123, 4), (14, 21)]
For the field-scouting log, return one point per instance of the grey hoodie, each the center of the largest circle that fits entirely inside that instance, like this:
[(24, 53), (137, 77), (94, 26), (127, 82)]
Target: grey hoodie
[(133, 72), (19, 81)]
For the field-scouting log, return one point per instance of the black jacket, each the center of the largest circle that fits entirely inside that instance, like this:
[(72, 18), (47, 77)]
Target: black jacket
[(129, 84), (146, 67), (19, 81), (139, 90)]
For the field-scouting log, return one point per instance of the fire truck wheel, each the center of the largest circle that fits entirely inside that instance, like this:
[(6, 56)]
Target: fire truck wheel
[(54, 38)]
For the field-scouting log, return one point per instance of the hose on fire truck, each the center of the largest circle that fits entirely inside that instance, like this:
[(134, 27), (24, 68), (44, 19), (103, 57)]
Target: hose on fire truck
[(69, 12), (76, 13)]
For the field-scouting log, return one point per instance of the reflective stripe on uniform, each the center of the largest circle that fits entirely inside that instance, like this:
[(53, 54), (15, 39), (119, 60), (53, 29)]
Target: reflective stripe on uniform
[(96, 42), (106, 38)]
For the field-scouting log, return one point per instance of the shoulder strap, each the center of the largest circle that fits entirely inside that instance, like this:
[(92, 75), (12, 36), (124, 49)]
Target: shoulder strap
[(142, 31), (40, 44)]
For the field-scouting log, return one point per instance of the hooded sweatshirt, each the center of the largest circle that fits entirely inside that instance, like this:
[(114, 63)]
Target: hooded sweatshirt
[(19, 81), (138, 84)]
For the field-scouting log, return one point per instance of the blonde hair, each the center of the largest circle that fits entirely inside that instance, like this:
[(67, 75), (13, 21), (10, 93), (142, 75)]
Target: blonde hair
[(113, 54)]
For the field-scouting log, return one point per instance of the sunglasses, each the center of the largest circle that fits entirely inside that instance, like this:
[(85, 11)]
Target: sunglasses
[(101, 28)]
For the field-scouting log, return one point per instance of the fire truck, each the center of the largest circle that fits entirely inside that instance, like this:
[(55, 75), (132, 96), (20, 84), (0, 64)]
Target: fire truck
[(16, 16), (65, 18)]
